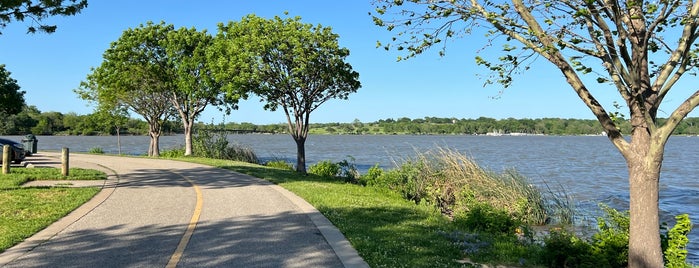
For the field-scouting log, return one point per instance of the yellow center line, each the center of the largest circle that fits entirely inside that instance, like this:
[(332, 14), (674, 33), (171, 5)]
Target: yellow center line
[(175, 258)]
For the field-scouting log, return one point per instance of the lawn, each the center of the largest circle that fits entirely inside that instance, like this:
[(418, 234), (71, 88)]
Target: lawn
[(25, 211)]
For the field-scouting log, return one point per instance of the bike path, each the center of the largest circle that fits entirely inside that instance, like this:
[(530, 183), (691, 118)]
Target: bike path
[(163, 213)]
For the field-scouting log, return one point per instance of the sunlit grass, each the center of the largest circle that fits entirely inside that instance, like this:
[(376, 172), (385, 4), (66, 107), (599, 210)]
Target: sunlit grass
[(18, 176), (24, 212)]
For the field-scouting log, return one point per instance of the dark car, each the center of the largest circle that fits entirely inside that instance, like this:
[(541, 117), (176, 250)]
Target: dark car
[(18, 154)]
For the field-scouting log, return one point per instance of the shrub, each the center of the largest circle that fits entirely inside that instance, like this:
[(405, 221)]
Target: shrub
[(280, 164), (324, 168), (675, 243), (454, 183), (372, 175), (173, 153), (96, 150), (211, 144), (348, 170), (485, 218)]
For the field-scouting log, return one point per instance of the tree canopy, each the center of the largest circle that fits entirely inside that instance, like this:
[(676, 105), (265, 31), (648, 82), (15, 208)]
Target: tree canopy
[(641, 49), (289, 64), (11, 97), (135, 75), (36, 11)]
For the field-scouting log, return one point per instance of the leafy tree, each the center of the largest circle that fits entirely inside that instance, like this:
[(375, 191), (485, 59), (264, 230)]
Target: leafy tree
[(11, 97), (290, 65), (641, 48), (194, 87), (135, 75), (36, 11)]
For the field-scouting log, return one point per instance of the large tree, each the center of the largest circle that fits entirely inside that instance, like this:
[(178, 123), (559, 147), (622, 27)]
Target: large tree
[(288, 64), (641, 49), (194, 87), (135, 74), (36, 11), (11, 97)]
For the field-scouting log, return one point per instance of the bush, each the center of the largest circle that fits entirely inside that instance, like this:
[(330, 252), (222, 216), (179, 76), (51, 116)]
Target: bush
[(211, 144), (454, 183), (675, 243), (280, 164), (324, 168), (96, 150), (173, 153), (372, 175)]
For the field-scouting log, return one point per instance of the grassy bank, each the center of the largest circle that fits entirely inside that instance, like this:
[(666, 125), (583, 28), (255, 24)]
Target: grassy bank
[(25, 211)]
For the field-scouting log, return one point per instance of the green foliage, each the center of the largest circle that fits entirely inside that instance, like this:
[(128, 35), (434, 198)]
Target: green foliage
[(487, 219), (675, 243), (324, 168), (564, 249), (454, 183), (370, 178), (36, 11), (213, 144), (286, 63), (11, 97), (173, 153), (280, 164), (611, 242), (96, 150)]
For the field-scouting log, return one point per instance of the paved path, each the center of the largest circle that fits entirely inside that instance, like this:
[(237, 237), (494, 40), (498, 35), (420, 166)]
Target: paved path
[(161, 213)]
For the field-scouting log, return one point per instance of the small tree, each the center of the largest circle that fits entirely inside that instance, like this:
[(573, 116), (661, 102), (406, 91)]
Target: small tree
[(288, 64), (641, 48), (19, 10)]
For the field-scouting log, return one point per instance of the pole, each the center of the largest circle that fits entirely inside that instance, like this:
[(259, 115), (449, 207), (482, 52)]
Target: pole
[(6, 151), (64, 162)]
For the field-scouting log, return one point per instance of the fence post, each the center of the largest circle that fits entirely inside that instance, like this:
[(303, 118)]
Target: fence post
[(64, 162), (6, 151)]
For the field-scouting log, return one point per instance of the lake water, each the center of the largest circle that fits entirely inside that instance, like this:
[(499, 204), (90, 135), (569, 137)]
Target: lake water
[(589, 168)]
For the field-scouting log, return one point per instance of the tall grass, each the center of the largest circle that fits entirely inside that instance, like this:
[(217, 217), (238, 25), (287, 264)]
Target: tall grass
[(455, 184)]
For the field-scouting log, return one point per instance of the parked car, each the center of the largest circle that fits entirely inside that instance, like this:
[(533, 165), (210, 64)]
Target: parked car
[(18, 153)]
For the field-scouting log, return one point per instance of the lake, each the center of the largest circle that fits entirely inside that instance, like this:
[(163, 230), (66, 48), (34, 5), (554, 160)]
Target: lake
[(589, 168)]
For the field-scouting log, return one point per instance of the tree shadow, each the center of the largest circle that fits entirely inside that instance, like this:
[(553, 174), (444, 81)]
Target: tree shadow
[(280, 240)]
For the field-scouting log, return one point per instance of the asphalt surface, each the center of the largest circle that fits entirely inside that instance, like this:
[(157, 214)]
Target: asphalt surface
[(162, 213)]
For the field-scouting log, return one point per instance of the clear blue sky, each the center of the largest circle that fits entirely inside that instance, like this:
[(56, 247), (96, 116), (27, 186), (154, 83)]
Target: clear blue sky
[(49, 67)]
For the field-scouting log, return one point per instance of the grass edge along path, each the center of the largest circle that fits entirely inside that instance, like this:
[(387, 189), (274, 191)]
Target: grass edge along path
[(386, 229)]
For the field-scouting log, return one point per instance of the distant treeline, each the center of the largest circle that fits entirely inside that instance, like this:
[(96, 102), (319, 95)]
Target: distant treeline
[(31, 120)]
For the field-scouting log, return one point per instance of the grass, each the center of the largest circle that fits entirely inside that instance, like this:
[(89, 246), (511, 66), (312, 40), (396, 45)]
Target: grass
[(24, 212), (387, 230), (18, 176)]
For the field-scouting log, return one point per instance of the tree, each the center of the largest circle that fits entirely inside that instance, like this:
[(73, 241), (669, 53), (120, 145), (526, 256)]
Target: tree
[(19, 10), (135, 75), (11, 97), (641, 48), (194, 87), (288, 64)]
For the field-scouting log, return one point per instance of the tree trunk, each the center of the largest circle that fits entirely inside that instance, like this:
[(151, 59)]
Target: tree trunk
[(644, 166), (154, 150), (188, 138), (300, 154)]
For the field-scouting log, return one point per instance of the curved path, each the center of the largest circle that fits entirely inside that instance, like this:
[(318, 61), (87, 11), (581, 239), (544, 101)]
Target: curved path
[(162, 213)]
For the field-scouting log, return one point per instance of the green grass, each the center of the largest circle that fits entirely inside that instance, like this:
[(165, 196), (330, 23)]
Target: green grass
[(18, 176), (387, 230), (24, 212)]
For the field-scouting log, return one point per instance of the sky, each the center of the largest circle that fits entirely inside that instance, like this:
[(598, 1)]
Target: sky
[(50, 66)]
